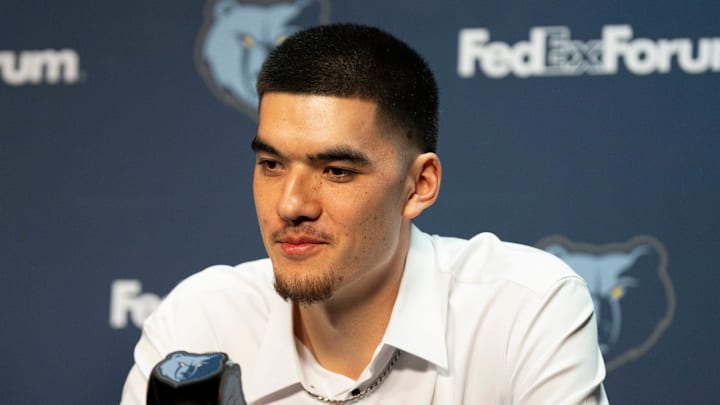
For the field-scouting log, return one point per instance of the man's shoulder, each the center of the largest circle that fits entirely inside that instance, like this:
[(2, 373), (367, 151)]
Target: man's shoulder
[(221, 308), (218, 278), (222, 289), (486, 260)]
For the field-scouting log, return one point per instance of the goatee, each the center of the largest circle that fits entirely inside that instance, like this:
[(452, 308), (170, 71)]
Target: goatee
[(307, 290)]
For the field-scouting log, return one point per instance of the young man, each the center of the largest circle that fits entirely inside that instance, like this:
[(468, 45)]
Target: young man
[(356, 304)]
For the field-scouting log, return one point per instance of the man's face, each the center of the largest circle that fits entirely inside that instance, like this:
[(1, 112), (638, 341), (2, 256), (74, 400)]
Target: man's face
[(329, 188)]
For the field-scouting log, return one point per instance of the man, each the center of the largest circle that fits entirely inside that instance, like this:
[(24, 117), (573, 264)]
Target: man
[(355, 303)]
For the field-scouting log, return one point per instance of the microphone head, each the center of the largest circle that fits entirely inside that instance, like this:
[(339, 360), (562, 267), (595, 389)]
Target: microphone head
[(184, 378)]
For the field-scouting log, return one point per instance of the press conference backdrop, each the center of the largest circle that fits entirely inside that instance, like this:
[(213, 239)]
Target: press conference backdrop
[(586, 128)]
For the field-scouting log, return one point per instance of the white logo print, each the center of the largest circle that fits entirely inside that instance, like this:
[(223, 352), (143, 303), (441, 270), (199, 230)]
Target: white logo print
[(125, 299), (550, 51), (37, 67)]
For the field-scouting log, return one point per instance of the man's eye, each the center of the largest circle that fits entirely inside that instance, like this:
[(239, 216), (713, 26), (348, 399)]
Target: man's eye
[(269, 166), (339, 174)]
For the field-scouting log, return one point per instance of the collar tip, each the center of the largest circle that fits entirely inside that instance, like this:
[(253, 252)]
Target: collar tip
[(442, 364)]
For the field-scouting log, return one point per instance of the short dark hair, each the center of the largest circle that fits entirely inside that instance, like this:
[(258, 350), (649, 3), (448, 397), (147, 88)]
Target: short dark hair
[(349, 60)]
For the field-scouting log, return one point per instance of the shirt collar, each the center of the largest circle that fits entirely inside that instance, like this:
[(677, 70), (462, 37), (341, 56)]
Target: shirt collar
[(419, 318)]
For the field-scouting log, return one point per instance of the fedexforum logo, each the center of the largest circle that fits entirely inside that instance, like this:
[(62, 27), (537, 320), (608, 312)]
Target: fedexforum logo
[(550, 51), (127, 300), (631, 289), (237, 36), (39, 67)]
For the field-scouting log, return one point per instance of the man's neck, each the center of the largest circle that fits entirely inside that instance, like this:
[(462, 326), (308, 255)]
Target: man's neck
[(344, 331)]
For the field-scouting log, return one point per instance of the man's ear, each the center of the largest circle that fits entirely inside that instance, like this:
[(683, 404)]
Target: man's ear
[(423, 184)]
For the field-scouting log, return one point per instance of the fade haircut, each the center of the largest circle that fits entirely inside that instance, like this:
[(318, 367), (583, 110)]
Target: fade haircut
[(349, 60)]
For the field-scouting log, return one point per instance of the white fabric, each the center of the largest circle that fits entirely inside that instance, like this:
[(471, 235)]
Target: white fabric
[(478, 321)]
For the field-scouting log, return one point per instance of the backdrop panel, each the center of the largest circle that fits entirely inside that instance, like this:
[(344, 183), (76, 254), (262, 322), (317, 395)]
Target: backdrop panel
[(589, 129)]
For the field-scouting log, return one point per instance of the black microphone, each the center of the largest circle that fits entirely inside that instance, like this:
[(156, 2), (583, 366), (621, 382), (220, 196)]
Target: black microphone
[(184, 378)]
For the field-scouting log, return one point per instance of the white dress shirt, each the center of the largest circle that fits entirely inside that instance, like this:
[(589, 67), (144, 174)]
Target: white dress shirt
[(476, 321)]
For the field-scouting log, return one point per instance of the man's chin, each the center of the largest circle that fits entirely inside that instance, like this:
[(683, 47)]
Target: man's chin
[(302, 296), (305, 291)]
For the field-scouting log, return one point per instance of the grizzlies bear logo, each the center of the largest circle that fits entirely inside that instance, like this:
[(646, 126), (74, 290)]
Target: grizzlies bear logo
[(237, 36), (631, 289), (181, 367)]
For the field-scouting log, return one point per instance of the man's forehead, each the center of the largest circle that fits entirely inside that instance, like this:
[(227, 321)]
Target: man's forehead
[(309, 100), (317, 112), (317, 116), (319, 127), (312, 96)]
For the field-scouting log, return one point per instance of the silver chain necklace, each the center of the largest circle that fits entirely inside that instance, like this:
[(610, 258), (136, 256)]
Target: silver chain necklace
[(361, 394)]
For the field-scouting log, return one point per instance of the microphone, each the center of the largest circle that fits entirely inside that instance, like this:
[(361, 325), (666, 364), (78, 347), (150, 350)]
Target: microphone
[(184, 378)]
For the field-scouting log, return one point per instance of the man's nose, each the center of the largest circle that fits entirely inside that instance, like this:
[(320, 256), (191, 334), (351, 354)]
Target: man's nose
[(300, 199)]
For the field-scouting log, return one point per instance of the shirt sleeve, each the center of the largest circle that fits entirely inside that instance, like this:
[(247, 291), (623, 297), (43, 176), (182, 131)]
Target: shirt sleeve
[(554, 356), (148, 352), (195, 315)]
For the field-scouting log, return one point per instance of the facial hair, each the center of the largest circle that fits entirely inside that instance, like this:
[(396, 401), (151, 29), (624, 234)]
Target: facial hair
[(307, 290)]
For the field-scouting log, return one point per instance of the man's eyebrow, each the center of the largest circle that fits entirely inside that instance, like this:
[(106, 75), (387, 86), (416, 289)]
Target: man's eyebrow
[(341, 153), (337, 153), (260, 146)]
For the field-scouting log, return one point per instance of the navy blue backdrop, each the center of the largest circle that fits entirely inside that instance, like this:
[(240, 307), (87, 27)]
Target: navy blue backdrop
[(587, 128)]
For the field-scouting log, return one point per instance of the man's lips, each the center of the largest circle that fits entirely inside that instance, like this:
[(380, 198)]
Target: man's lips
[(300, 246), (300, 242)]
